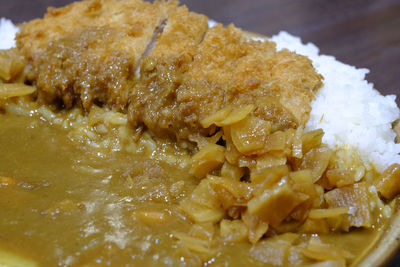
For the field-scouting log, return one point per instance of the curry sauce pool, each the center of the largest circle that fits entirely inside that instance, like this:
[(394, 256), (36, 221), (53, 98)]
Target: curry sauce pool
[(65, 205)]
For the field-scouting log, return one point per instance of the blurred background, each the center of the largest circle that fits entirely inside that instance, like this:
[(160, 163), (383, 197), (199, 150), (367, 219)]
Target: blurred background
[(363, 33)]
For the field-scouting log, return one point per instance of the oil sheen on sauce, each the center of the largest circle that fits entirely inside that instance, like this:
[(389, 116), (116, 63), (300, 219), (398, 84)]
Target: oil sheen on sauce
[(67, 205)]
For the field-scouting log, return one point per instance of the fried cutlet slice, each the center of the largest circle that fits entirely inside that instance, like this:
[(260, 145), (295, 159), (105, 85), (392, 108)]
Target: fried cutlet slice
[(135, 18), (227, 69), (161, 71), (182, 33), (189, 73), (87, 52), (238, 71)]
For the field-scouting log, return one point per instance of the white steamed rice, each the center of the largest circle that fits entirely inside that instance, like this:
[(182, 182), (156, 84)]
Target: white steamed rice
[(7, 32), (347, 108)]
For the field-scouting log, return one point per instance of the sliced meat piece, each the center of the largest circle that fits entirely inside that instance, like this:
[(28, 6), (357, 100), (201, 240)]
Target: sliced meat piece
[(239, 72), (136, 19), (226, 69), (87, 52), (161, 72)]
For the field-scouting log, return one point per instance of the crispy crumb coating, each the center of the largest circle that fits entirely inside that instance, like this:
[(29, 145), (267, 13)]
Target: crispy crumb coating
[(182, 33), (225, 69), (87, 52), (134, 19), (250, 72), (84, 68), (165, 64), (162, 71)]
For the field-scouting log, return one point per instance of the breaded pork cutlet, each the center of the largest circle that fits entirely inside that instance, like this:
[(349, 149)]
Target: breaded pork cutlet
[(161, 72), (87, 51), (188, 74), (225, 70), (239, 72)]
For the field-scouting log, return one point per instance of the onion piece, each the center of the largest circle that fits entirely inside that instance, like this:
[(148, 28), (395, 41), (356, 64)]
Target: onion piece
[(15, 89)]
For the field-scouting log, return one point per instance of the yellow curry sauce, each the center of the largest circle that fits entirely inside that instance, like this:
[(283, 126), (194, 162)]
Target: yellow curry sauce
[(66, 205)]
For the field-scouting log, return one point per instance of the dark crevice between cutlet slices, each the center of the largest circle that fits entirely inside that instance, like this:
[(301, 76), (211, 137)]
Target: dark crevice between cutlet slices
[(163, 69), (136, 74), (158, 31)]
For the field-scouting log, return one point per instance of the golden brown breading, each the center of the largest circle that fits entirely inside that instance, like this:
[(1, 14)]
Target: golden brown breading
[(85, 68), (249, 72), (228, 70), (135, 19), (88, 51), (162, 70), (182, 33)]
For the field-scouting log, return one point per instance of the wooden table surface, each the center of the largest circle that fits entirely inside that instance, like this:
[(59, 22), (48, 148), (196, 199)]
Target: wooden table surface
[(364, 33)]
